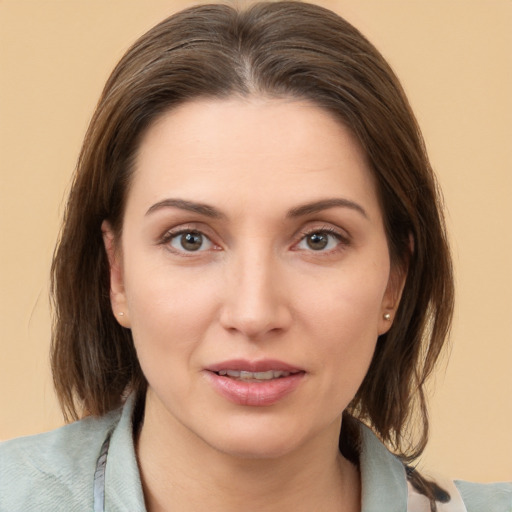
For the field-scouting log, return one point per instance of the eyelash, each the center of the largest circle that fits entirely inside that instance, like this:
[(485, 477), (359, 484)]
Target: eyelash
[(169, 236), (342, 241)]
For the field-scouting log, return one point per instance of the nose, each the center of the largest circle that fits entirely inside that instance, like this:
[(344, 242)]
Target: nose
[(256, 303)]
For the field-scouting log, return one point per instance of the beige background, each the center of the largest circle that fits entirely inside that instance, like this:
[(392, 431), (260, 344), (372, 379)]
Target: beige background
[(455, 61)]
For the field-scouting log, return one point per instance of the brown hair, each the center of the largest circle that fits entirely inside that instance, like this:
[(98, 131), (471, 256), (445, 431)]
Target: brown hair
[(277, 49)]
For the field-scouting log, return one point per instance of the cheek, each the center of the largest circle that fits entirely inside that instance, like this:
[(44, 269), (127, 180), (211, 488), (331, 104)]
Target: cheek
[(169, 311), (348, 304), (344, 317)]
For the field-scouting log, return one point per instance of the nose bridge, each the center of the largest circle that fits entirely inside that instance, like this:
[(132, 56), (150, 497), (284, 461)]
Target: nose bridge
[(255, 303)]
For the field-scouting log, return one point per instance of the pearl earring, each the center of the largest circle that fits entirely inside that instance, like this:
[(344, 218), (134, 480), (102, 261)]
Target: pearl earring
[(387, 316), (121, 313)]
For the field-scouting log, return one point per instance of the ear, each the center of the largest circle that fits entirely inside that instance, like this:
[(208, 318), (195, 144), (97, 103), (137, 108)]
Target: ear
[(391, 298), (117, 291), (393, 294)]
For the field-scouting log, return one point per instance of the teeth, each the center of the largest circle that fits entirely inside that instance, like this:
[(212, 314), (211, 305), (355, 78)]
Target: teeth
[(249, 376)]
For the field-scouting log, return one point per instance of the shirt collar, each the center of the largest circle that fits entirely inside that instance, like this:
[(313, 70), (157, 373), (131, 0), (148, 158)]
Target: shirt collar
[(123, 488), (383, 479)]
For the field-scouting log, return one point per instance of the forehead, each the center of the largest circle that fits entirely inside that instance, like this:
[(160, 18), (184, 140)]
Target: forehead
[(256, 149)]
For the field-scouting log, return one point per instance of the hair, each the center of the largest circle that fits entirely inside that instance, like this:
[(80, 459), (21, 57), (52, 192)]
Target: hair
[(276, 49)]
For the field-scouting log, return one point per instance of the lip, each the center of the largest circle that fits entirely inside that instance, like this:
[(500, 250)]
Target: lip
[(255, 394), (261, 365)]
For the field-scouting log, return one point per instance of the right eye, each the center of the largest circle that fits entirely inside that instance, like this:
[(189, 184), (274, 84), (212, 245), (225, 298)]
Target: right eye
[(189, 241)]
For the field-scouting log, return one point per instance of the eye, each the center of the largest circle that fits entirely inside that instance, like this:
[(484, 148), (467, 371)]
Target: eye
[(189, 241), (322, 240)]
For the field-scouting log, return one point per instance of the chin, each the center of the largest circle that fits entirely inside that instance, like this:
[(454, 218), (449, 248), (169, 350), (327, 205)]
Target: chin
[(253, 439), (255, 448)]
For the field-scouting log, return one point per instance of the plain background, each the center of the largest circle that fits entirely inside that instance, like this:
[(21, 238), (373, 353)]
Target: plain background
[(455, 61)]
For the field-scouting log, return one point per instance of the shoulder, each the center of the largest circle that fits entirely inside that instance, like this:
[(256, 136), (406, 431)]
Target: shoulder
[(53, 470), (387, 487), (496, 497), (459, 496)]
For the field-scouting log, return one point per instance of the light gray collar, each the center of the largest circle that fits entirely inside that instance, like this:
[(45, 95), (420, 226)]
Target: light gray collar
[(117, 484)]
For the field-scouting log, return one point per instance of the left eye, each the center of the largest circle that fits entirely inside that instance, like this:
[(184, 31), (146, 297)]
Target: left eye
[(319, 241), (190, 241)]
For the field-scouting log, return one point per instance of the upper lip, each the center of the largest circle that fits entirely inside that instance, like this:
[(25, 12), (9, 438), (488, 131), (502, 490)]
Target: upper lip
[(261, 365)]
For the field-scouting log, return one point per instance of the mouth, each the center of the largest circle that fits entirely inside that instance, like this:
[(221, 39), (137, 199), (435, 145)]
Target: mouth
[(254, 383), (246, 376), (249, 371)]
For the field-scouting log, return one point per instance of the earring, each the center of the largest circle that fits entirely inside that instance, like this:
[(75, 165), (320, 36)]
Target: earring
[(387, 316), (121, 313)]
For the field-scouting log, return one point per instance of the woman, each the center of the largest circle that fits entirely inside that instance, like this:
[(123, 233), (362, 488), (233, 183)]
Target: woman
[(253, 264)]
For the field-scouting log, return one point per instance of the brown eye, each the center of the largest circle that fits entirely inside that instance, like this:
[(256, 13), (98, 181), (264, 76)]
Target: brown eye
[(190, 241), (317, 241), (320, 241)]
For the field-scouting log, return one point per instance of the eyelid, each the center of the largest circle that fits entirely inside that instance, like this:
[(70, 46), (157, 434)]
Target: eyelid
[(206, 243), (181, 229), (342, 236)]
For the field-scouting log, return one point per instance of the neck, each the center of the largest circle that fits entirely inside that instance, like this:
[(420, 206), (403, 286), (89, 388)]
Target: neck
[(181, 472)]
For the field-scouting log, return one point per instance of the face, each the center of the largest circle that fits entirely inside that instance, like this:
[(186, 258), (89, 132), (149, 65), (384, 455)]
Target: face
[(253, 271)]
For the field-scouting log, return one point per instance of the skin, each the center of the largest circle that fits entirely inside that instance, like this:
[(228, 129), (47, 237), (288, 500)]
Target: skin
[(255, 289)]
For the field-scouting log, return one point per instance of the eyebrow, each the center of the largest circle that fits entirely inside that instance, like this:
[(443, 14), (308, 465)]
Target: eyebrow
[(299, 211), (191, 206), (325, 204)]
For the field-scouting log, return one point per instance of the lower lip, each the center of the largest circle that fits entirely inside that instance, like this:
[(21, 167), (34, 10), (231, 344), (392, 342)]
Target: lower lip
[(259, 394)]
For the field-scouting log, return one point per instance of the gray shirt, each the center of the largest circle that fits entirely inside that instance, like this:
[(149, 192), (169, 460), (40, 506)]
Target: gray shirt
[(66, 470)]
